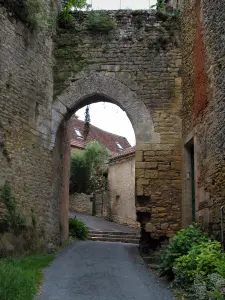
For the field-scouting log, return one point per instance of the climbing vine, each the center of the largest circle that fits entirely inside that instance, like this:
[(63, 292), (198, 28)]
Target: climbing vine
[(13, 220)]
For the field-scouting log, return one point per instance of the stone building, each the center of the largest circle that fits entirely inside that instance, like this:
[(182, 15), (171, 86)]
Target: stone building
[(203, 113), (166, 73)]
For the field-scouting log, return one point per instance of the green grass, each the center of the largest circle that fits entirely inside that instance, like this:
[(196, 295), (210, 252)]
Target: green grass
[(20, 277)]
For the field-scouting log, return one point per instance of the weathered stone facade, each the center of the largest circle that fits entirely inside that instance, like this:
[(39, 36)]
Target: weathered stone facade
[(137, 66), (137, 61), (26, 91), (203, 110)]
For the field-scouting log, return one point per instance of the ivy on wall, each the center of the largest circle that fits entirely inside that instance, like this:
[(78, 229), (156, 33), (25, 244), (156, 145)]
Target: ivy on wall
[(13, 220)]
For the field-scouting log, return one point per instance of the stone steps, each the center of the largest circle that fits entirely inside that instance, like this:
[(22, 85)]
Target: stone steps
[(113, 236)]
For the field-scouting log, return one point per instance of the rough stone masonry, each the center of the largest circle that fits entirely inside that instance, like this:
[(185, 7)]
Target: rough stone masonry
[(45, 79)]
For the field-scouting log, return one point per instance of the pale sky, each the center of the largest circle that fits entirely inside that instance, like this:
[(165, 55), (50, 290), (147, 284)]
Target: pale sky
[(121, 4), (110, 117)]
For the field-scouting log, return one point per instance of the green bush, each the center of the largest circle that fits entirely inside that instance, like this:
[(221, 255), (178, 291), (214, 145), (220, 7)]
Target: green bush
[(101, 22), (79, 174), (87, 169), (66, 20), (211, 287), (202, 260), (180, 245), (77, 229)]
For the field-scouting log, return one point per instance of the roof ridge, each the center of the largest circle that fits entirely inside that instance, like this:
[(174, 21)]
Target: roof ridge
[(108, 132)]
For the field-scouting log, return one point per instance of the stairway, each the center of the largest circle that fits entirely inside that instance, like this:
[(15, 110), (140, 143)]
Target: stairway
[(114, 236)]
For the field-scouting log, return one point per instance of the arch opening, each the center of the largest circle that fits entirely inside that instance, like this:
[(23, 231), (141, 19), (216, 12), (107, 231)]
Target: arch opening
[(92, 89)]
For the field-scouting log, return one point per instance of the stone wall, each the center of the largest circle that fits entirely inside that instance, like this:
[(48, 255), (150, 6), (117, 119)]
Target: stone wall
[(136, 66), (80, 203), (141, 57), (121, 178), (203, 111), (26, 90)]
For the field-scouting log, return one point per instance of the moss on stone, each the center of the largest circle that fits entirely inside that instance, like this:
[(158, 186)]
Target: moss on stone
[(34, 13)]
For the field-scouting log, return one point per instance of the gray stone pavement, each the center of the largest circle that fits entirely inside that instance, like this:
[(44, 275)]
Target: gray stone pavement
[(95, 223), (101, 271)]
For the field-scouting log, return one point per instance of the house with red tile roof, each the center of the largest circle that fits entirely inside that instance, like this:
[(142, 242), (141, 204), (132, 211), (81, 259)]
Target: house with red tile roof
[(116, 144), (119, 203)]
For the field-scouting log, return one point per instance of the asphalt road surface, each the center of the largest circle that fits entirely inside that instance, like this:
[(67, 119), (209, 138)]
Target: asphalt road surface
[(101, 271), (99, 224)]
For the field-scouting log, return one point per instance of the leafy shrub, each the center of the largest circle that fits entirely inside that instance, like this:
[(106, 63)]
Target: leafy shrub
[(101, 22), (77, 229), (220, 269), (202, 259), (79, 174), (87, 169), (211, 287), (180, 245)]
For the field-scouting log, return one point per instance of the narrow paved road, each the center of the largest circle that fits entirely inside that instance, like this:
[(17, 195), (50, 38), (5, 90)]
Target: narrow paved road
[(101, 271), (95, 223)]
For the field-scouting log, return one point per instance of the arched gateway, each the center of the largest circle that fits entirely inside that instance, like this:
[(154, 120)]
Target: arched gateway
[(136, 65), (91, 89)]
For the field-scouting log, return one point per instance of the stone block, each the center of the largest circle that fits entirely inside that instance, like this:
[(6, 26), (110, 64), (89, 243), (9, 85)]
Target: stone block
[(163, 167), (151, 174), (139, 173), (158, 209), (164, 147), (164, 226), (142, 181), (175, 227), (149, 153), (139, 156), (151, 165), (144, 146), (176, 165), (139, 190), (169, 175), (149, 227)]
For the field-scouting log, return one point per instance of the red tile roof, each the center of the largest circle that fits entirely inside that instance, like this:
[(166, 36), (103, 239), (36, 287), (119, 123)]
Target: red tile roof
[(108, 139)]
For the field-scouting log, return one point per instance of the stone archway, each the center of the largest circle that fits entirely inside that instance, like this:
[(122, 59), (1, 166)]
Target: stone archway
[(90, 89), (95, 88)]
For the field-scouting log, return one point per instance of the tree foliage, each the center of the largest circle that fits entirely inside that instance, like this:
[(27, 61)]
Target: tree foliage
[(68, 5), (87, 169)]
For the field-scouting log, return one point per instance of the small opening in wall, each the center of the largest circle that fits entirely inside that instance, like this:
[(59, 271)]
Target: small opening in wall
[(190, 178), (143, 200)]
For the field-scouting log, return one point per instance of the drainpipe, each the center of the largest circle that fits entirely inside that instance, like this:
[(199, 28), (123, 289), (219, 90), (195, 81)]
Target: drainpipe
[(222, 225)]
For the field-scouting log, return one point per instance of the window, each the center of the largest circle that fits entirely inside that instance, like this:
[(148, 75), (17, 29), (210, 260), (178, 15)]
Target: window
[(119, 146), (78, 133)]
